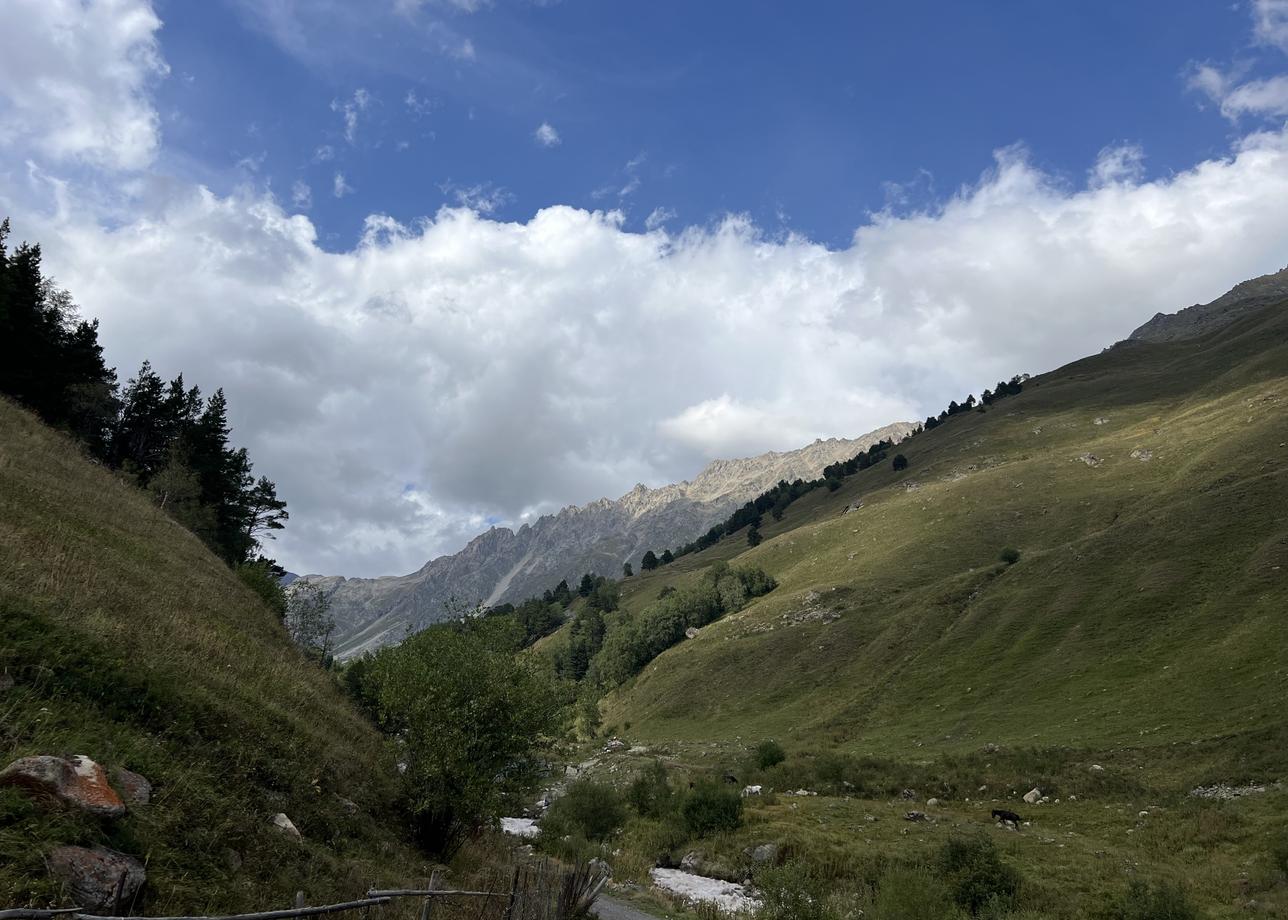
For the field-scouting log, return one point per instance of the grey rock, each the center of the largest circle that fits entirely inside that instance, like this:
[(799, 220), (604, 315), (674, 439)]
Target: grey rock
[(135, 788), (914, 816), (1199, 319), (692, 862), (765, 854), (93, 876), (284, 825), (1033, 795)]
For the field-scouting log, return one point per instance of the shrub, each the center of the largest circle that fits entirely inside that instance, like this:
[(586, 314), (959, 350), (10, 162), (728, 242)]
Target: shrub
[(913, 894), (710, 808), (769, 753), (260, 578), (650, 794), (976, 874), (1143, 901), (1010, 555), (789, 892), (588, 809), (899, 463)]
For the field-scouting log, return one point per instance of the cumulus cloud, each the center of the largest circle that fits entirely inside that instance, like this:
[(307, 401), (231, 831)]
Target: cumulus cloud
[(75, 77), (546, 135), (462, 368), (659, 217), (1260, 97), (485, 197)]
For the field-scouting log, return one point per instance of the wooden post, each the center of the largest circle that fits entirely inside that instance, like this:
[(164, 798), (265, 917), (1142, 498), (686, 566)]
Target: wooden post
[(514, 895), (428, 906), (299, 899)]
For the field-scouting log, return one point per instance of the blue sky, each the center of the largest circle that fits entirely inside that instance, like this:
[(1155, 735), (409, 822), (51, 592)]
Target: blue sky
[(463, 262), (801, 116)]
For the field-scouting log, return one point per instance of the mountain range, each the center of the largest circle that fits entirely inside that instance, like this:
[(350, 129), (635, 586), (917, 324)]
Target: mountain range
[(503, 565)]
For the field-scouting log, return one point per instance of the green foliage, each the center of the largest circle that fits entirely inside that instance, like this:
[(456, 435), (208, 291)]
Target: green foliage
[(591, 810), (769, 753), (1010, 555), (1144, 901), (649, 562), (753, 536), (900, 463), (637, 641), (913, 894), (263, 576), (976, 874), (471, 717), (791, 892), (308, 618), (585, 638), (650, 793), (711, 808)]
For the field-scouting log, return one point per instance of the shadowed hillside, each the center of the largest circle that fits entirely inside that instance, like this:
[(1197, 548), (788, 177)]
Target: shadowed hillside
[(123, 638)]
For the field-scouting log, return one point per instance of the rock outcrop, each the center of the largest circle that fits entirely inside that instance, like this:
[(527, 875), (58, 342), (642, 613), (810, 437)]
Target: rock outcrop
[(96, 878), (1193, 321), (510, 565), (75, 781)]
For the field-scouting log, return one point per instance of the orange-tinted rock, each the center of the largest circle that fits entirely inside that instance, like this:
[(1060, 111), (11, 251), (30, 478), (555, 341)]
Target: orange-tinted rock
[(93, 875), (76, 781)]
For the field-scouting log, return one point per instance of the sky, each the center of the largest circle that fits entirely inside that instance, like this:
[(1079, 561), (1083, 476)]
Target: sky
[(459, 263)]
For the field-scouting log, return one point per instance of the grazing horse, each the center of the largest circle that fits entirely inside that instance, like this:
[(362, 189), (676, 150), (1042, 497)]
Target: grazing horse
[(1006, 817)]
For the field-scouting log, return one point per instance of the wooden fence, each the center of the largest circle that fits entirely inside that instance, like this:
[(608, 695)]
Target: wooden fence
[(542, 891)]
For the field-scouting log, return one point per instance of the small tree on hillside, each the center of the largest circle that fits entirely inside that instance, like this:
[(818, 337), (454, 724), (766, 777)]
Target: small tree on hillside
[(627, 571), (667, 557), (308, 618), (899, 463), (649, 562), (753, 536)]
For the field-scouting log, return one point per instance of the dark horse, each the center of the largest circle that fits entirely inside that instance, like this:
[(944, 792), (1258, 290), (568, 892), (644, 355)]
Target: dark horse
[(1006, 817)]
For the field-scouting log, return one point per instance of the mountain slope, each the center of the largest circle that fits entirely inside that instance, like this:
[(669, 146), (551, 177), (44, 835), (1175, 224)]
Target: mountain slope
[(503, 565), (1244, 298), (126, 640), (1145, 489)]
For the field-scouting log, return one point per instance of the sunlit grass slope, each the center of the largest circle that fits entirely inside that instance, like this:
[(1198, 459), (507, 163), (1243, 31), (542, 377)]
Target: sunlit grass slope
[(129, 642), (1146, 489)]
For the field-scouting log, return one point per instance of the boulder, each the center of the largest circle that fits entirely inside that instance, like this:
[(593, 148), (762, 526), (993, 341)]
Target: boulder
[(1033, 795), (691, 632), (692, 862), (751, 790), (135, 788), (284, 825), (96, 878), (765, 854), (76, 781), (932, 801), (1096, 768)]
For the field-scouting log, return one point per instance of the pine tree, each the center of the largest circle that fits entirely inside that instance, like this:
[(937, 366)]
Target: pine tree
[(649, 562)]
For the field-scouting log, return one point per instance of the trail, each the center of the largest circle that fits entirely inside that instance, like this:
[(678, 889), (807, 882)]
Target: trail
[(607, 908)]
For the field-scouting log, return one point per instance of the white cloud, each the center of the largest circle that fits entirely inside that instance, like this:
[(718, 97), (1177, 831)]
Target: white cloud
[(1271, 22), (431, 355), (1266, 97), (74, 76), (419, 106), (484, 198), (1121, 164), (339, 187), (301, 195), (349, 109), (546, 135), (659, 217), (324, 154)]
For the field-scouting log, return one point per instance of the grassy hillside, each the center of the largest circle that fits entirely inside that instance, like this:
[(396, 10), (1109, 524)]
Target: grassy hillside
[(129, 642), (1145, 489)]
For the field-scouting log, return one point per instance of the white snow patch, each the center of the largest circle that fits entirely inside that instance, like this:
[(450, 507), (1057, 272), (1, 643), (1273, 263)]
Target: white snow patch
[(699, 889), (520, 827)]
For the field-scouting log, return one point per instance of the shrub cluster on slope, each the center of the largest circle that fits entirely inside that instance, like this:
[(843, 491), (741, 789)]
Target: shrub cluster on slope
[(632, 644)]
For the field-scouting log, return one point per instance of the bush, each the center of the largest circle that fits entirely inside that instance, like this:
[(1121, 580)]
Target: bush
[(1144, 901), (1010, 555), (899, 463), (788, 892), (912, 894), (588, 809), (650, 794), (976, 874), (769, 753), (474, 718), (710, 808), (260, 578)]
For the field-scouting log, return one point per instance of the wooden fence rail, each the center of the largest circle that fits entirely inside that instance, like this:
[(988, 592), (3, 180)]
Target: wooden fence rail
[(552, 894)]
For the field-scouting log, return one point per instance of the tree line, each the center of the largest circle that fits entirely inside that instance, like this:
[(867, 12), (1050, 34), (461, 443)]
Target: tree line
[(163, 435)]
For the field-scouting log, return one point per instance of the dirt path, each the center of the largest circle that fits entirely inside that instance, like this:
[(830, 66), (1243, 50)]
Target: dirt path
[(607, 908)]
